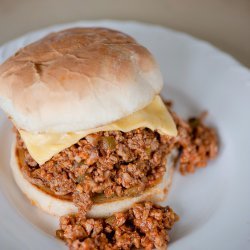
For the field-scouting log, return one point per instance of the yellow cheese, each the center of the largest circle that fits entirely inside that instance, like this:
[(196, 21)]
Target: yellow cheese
[(155, 116)]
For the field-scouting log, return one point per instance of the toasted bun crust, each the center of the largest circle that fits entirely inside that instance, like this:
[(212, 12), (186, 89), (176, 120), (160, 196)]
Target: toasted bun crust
[(59, 207), (77, 79)]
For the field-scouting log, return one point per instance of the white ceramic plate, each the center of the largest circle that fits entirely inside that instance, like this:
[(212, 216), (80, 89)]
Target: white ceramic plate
[(214, 203)]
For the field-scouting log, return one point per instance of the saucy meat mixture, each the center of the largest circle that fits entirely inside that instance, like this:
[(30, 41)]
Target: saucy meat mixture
[(144, 226), (107, 163), (115, 164)]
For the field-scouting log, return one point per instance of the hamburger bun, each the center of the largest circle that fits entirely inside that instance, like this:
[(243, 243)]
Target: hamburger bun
[(77, 79)]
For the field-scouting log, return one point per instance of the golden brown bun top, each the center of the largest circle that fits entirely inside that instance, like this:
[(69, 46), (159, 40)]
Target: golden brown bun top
[(77, 79)]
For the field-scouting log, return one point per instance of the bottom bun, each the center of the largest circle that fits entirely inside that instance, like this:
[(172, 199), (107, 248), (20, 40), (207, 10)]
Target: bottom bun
[(58, 207)]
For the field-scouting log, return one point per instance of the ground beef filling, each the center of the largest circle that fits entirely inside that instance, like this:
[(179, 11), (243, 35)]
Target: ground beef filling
[(196, 142), (108, 163), (144, 226)]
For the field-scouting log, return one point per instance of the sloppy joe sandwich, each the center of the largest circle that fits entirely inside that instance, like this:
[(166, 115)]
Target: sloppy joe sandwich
[(93, 135), (92, 130)]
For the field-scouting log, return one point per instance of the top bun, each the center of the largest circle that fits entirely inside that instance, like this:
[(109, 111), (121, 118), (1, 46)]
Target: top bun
[(77, 79)]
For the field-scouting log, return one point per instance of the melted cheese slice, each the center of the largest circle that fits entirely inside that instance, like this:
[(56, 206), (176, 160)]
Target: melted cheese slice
[(155, 116)]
